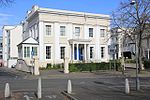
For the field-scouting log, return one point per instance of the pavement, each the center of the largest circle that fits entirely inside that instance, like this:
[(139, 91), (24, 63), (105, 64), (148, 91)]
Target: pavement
[(98, 85)]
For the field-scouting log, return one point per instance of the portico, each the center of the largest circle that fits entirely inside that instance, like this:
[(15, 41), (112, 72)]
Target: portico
[(79, 49)]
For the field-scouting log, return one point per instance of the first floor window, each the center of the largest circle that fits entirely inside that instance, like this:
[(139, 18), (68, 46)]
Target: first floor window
[(48, 29), (102, 52), (102, 32), (48, 52), (77, 31), (62, 52), (90, 32), (62, 30), (26, 51), (91, 52)]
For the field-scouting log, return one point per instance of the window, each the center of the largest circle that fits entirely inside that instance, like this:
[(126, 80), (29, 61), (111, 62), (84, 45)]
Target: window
[(26, 51), (48, 29), (62, 30), (34, 50), (102, 52), (102, 32), (62, 52), (48, 52), (77, 31), (91, 52), (90, 32)]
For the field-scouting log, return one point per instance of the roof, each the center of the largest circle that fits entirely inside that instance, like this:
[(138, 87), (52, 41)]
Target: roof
[(30, 41)]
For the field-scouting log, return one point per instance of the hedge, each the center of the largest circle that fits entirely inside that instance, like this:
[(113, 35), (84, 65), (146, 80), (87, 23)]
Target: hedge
[(91, 66), (146, 64), (50, 66)]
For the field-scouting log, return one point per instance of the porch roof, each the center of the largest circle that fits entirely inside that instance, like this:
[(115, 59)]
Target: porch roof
[(84, 41), (30, 41)]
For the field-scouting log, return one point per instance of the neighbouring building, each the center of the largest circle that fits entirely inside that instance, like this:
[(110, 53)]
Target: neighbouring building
[(53, 35), (1, 47), (12, 35), (1, 51), (125, 46)]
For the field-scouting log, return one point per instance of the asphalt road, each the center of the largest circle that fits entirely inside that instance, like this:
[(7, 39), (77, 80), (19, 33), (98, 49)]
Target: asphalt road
[(98, 88)]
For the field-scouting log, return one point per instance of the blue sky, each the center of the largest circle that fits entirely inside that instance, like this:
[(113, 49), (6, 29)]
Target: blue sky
[(13, 14)]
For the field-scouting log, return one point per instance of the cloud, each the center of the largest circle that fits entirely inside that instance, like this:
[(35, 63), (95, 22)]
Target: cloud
[(5, 15), (4, 19)]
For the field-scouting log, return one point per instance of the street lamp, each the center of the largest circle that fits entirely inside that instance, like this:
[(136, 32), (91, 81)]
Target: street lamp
[(137, 77), (133, 2)]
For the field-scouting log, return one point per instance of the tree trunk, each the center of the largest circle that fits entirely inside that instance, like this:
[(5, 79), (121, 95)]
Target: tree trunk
[(139, 55)]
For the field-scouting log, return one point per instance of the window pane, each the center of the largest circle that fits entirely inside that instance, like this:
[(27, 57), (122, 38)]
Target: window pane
[(48, 52), (77, 31), (62, 52), (102, 52), (90, 32), (28, 51), (91, 52), (48, 29), (62, 30), (25, 53), (34, 50)]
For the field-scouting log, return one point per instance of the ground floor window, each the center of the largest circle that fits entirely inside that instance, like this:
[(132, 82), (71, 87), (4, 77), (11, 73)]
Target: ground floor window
[(26, 51), (34, 51), (48, 52), (62, 52), (91, 52), (102, 52)]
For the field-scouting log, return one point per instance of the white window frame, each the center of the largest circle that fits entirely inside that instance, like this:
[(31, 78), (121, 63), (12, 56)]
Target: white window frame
[(91, 56), (62, 56), (48, 31), (35, 53), (102, 52), (91, 32), (62, 31), (77, 32), (25, 52), (50, 52), (102, 33)]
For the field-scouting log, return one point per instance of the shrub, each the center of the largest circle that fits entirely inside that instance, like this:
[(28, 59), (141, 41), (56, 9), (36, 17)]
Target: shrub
[(73, 68), (146, 64), (92, 66), (57, 66), (50, 66)]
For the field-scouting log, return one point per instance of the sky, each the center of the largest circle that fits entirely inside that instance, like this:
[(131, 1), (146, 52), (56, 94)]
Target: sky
[(14, 13)]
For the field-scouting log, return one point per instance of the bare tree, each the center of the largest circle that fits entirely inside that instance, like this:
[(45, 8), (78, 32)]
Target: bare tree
[(6, 2), (133, 18)]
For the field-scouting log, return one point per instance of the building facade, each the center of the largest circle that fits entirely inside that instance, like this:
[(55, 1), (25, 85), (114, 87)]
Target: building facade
[(12, 35), (125, 45), (1, 47), (53, 35)]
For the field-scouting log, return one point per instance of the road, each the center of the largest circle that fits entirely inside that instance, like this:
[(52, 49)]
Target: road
[(101, 87)]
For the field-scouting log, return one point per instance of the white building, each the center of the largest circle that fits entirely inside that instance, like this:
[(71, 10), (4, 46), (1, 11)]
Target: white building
[(53, 35), (12, 35)]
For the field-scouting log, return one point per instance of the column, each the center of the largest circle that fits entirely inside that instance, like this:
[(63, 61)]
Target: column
[(85, 58), (77, 52), (56, 46), (72, 51), (41, 42)]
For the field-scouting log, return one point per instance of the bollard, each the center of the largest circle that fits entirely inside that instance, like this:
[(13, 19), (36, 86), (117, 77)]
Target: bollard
[(66, 65), (127, 87), (69, 87), (39, 92), (7, 90)]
